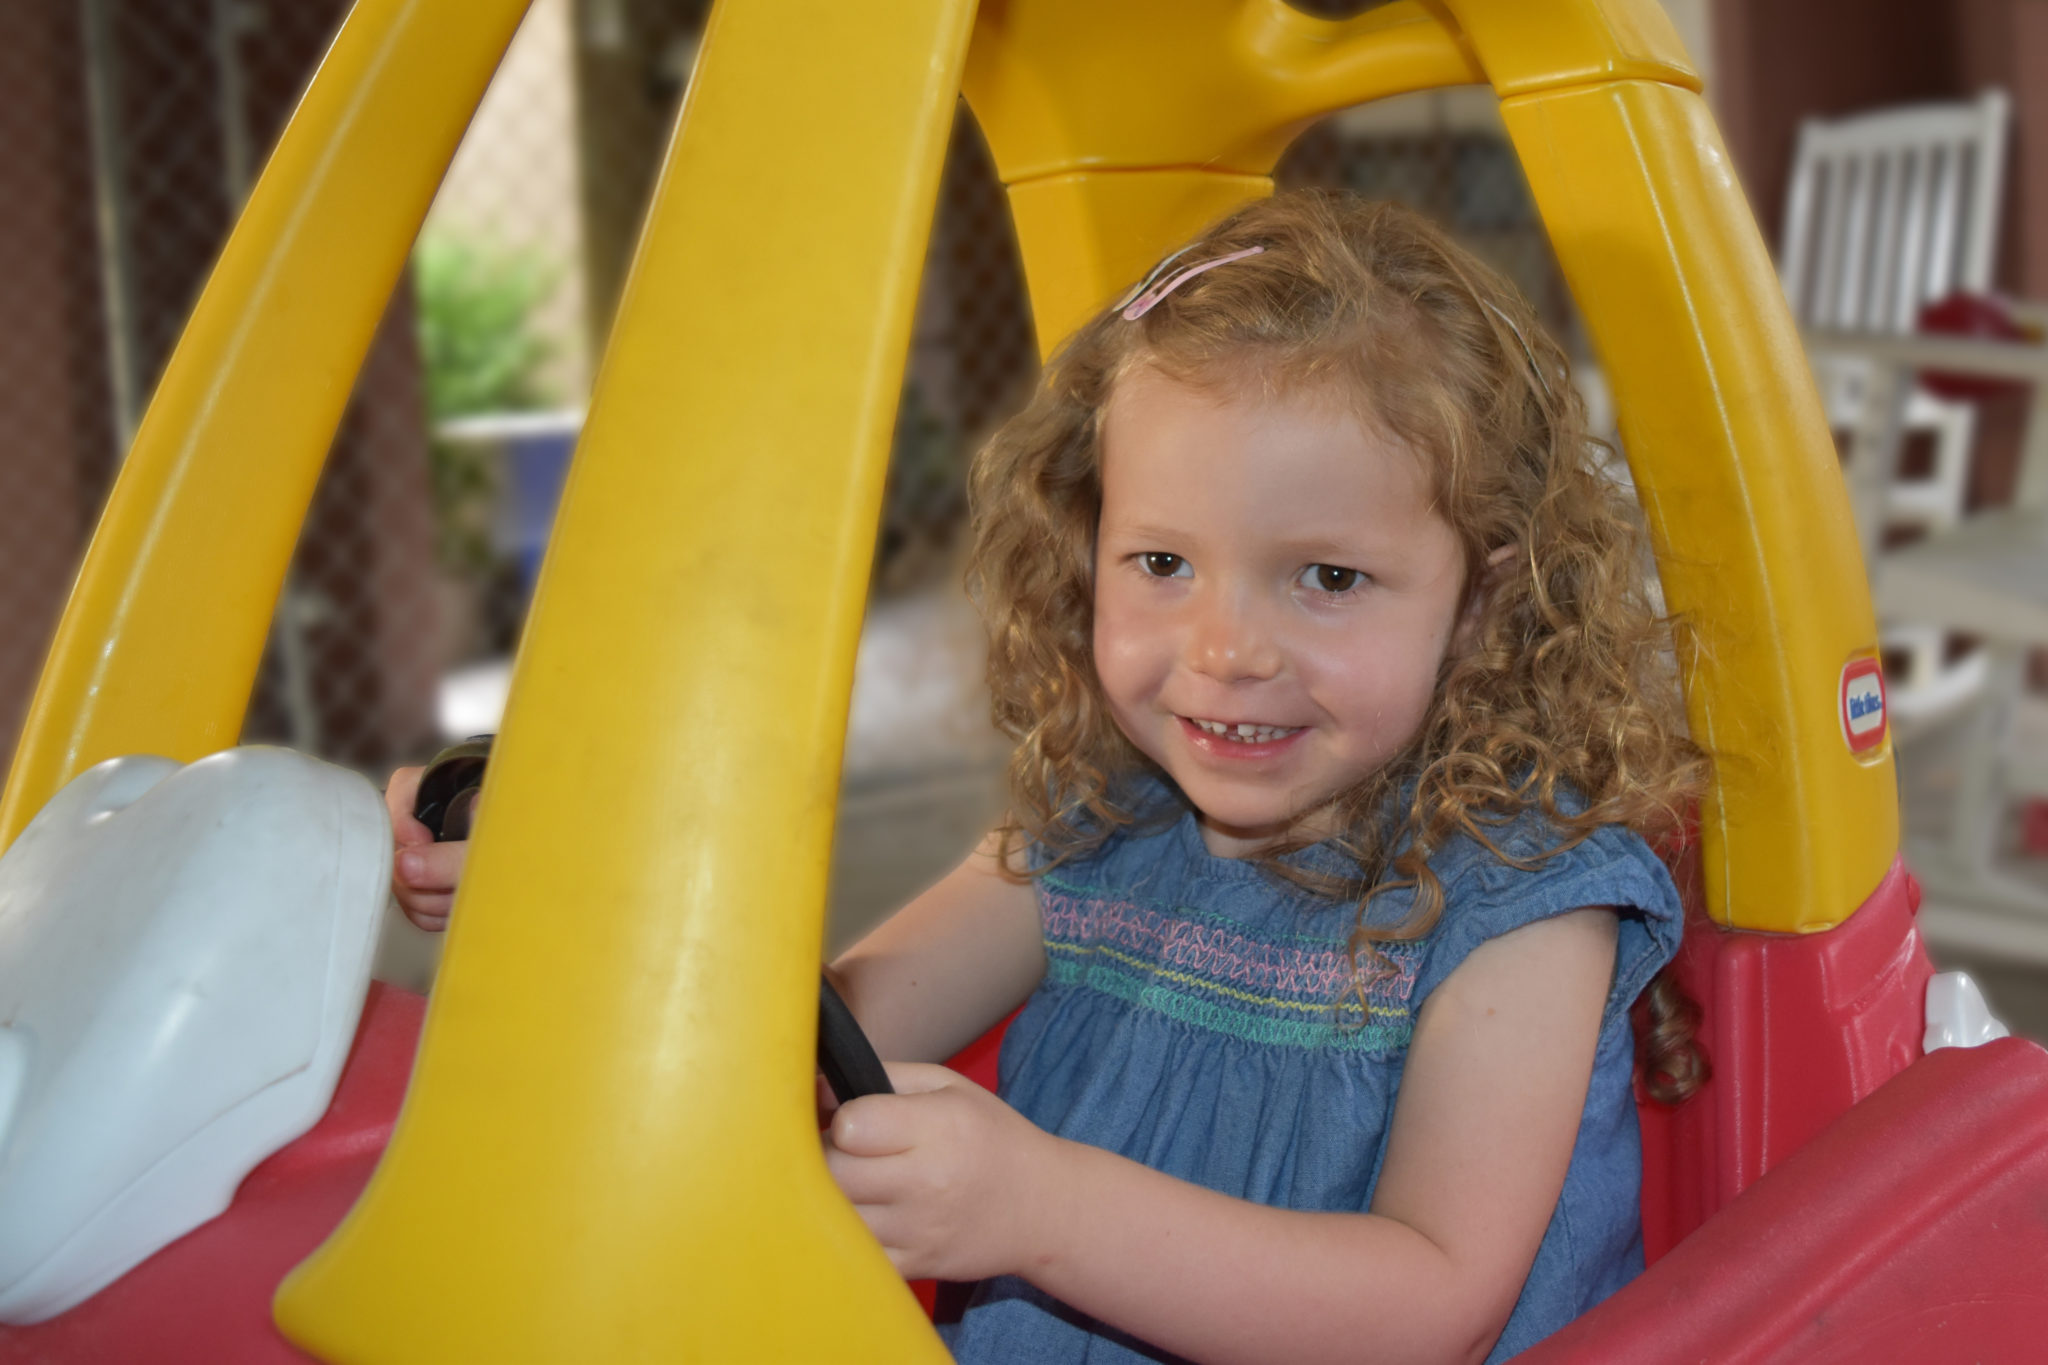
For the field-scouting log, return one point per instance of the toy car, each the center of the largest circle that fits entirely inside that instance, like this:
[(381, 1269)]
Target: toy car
[(606, 1151)]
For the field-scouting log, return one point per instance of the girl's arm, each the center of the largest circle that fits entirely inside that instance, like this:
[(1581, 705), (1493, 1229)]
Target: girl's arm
[(938, 973), (1488, 1113)]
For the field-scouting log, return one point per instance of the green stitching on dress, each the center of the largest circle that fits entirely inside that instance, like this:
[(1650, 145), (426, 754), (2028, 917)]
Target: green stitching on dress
[(1085, 969)]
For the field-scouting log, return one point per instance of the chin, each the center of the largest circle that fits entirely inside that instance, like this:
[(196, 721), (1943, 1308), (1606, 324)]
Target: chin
[(1243, 819)]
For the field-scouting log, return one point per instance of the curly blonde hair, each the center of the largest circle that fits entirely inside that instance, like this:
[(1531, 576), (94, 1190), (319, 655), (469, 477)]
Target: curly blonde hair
[(1567, 700)]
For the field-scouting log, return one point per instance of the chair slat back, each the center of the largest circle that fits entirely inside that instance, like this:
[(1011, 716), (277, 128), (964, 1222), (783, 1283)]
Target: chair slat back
[(1888, 211)]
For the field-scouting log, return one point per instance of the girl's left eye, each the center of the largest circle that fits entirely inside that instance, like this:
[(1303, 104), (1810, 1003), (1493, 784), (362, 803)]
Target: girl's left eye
[(1159, 564), (1330, 578)]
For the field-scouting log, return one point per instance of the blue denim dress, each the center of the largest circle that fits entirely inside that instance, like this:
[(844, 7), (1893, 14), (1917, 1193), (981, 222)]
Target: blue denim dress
[(1186, 1021)]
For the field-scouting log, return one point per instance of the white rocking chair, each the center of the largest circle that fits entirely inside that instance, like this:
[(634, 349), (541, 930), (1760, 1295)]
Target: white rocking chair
[(1887, 212)]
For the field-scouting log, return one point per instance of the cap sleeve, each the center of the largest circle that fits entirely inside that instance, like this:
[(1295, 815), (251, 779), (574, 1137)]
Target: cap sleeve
[(1485, 897)]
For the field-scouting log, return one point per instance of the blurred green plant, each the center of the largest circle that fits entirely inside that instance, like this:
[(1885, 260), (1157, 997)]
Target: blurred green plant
[(475, 304)]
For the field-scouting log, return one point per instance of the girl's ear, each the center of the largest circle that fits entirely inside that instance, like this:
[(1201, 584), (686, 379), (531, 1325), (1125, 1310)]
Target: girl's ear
[(1491, 575)]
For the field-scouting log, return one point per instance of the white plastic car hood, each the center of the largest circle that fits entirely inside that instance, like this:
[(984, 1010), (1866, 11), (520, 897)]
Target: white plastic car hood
[(183, 956)]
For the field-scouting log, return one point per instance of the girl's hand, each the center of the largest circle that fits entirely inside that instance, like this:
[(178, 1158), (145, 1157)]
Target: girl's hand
[(828, 1103), (423, 873), (955, 1184)]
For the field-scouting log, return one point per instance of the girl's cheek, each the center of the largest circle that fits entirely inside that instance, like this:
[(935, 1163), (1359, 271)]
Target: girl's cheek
[(1120, 639), (1122, 675), (1131, 669)]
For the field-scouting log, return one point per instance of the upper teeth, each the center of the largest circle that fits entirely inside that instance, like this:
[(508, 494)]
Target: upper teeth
[(1247, 734)]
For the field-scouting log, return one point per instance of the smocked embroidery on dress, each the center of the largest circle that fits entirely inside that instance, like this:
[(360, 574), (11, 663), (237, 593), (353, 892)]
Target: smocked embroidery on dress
[(1192, 1019), (1291, 990)]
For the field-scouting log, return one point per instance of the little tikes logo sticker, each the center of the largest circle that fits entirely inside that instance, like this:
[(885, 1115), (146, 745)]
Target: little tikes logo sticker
[(1862, 705)]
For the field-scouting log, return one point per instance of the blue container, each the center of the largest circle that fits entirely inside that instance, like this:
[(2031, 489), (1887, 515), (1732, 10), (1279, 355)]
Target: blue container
[(536, 464), (533, 450)]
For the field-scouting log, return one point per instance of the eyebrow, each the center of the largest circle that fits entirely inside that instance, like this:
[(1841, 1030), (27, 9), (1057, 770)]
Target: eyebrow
[(1353, 543), (1144, 531), (1311, 548)]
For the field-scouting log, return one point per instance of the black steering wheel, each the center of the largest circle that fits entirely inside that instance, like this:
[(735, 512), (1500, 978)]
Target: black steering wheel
[(446, 805)]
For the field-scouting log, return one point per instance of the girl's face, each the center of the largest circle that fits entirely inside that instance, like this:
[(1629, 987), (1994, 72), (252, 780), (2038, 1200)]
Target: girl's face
[(1274, 596)]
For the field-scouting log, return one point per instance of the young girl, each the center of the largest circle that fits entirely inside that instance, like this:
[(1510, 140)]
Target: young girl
[(1341, 717)]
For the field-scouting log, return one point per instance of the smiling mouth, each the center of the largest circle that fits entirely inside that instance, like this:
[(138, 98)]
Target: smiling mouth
[(1243, 732)]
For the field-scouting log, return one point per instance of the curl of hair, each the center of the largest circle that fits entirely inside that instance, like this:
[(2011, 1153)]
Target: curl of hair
[(1567, 699), (1667, 1056)]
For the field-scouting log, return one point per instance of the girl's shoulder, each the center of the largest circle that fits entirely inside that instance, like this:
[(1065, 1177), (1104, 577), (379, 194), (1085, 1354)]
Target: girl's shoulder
[(1527, 869), (1531, 854)]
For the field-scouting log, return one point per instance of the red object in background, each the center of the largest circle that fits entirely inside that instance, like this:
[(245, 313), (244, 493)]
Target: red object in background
[(2034, 826), (1980, 317)]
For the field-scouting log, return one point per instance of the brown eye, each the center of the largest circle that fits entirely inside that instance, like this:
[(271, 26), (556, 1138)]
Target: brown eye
[(1162, 565), (1330, 578)]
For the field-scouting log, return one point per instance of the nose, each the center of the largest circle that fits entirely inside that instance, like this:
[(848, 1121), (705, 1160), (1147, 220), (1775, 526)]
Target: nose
[(1232, 640)]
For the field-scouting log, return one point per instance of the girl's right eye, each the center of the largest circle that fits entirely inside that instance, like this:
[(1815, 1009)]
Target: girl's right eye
[(1159, 564)]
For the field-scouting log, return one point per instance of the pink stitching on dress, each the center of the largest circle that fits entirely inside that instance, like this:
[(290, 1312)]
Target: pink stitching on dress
[(1219, 954)]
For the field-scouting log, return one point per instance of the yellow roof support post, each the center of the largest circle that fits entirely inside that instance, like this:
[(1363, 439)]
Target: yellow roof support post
[(1731, 453), (609, 1150), (159, 644)]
